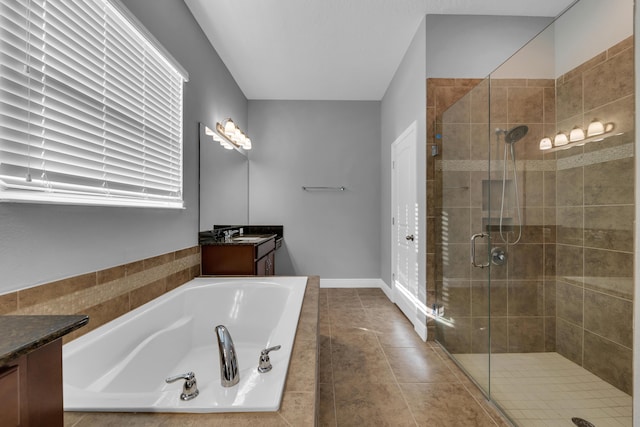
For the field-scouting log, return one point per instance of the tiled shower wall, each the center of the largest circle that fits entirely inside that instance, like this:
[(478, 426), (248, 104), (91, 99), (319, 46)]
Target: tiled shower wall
[(595, 212), (106, 294), (568, 284), (522, 297), (441, 94)]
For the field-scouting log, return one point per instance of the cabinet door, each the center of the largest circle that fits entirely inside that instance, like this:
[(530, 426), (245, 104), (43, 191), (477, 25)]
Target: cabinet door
[(270, 264), (261, 266), (10, 399)]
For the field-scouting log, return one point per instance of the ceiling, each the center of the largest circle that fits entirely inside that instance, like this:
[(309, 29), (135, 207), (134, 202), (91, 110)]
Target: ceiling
[(329, 49)]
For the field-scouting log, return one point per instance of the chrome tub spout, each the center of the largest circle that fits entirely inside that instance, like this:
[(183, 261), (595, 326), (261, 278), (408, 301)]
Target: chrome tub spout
[(229, 373)]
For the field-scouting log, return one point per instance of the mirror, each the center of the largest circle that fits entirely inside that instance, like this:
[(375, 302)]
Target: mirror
[(224, 183)]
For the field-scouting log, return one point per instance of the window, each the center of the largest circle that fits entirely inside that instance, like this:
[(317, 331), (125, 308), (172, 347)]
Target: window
[(90, 107)]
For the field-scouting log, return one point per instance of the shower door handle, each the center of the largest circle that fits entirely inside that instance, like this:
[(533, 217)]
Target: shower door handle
[(473, 250)]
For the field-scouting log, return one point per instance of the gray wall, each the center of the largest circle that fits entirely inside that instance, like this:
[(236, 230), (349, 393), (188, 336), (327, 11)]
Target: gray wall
[(41, 243), (318, 143), (403, 103), (465, 46)]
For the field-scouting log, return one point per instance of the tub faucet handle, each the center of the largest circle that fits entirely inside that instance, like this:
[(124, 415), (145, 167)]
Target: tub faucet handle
[(190, 388), (265, 363)]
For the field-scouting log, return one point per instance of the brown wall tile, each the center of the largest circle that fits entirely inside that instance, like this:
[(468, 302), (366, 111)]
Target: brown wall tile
[(569, 340), (570, 229), (570, 303), (526, 334), (609, 183), (550, 333), (569, 261), (569, 99), (43, 293), (8, 303), (598, 359), (525, 105), (570, 187), (609, 227), (526, 298), (610, 80), (146, 293), (609, 317)]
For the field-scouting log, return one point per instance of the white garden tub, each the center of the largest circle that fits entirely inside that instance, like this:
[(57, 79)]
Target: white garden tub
[(122, 365)]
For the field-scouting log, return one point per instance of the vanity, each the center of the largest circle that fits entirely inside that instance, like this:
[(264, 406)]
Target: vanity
[(31, 368), (226, 252)]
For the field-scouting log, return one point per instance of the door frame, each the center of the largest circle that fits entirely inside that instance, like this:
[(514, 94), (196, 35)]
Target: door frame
[(410, 305)]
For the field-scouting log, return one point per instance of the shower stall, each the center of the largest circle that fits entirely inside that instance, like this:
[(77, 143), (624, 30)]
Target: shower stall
[(532, 205)]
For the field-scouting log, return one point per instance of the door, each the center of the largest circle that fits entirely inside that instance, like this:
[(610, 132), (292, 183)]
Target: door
[(465, 209), (405, 226)]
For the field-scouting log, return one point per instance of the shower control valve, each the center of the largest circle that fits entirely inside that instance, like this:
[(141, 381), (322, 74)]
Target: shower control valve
[(498, 256)]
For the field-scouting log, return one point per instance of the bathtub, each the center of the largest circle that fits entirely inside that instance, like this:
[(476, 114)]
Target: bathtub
[(122, 365)]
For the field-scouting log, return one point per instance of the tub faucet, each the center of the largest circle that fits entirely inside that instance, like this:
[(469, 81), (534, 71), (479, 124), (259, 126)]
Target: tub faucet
[(264, 363), (190, 387), (229, 373)]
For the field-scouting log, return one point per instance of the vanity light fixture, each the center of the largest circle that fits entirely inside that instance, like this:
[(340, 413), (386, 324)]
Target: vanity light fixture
[(230, 135), (577, 136), (216, 138)]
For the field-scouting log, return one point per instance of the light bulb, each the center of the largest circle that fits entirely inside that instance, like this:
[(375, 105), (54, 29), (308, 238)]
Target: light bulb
[(560, 139), (545, 143), (576, 134), (229, 128), (595, 128)]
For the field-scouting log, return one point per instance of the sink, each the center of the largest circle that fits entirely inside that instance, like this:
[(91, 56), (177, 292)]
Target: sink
[(247, 239)]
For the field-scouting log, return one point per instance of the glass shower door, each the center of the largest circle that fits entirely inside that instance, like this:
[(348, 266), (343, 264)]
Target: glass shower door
[(464, 217)]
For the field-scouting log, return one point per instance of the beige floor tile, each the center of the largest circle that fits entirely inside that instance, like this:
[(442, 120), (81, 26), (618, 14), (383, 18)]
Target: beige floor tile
[(359, 404), (445, 405), (356, 356), (418, 365), (372, 292), (355, 318)]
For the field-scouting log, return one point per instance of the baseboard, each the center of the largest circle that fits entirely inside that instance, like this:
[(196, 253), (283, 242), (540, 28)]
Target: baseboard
[(352, 283)]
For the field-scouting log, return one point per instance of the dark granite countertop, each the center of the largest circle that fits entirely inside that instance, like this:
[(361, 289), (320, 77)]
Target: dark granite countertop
[(236, 240), (214, 237), (20, 335)]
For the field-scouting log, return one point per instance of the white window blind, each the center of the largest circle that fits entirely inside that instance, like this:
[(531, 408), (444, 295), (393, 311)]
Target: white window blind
[(90, 108)]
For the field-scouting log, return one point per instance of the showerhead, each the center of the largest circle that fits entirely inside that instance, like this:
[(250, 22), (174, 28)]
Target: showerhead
[(515, 134)]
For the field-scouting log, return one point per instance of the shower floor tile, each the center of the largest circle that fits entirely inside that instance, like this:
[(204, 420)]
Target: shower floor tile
[(546, 389)]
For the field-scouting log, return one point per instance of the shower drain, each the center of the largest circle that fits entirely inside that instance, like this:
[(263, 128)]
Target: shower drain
[(581, 423)]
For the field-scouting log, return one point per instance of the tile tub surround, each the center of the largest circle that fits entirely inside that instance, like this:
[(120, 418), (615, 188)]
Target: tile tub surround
[(299, 404), (106, 294)]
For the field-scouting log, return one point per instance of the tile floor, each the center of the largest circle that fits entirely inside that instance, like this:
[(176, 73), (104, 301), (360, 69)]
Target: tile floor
[(546, 389), (375, 371)]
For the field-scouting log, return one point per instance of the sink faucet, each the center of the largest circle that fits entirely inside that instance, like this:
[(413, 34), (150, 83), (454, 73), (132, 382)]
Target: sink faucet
[(229, 373)]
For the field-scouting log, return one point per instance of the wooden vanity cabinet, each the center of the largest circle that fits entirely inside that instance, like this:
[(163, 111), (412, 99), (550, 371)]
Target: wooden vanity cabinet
[(31, 388), (239, 259)]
